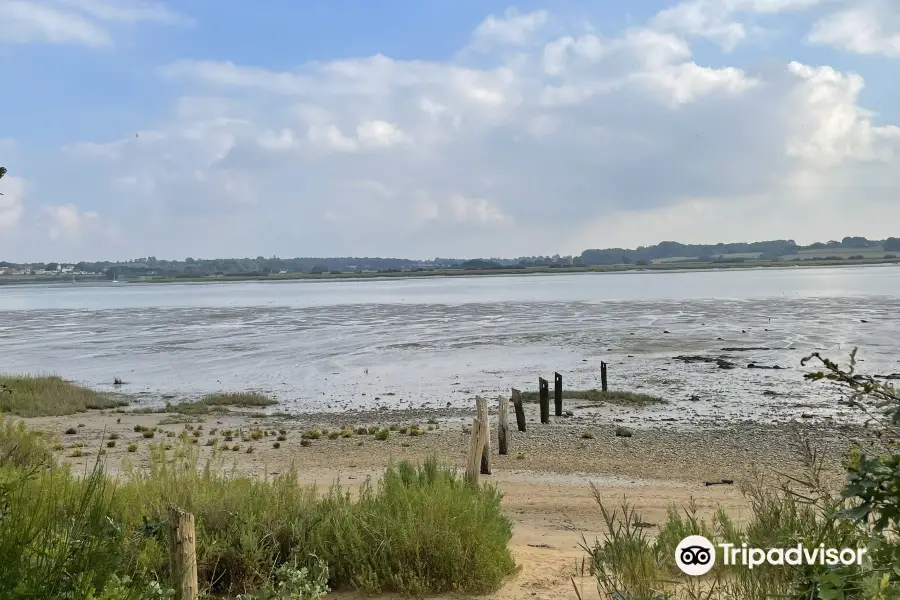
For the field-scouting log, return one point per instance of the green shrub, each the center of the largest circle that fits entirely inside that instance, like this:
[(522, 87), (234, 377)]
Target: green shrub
[(382, 434), (311, 434)]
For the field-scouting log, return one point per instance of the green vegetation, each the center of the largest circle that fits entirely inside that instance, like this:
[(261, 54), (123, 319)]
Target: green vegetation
[(82, 538), (610, 397), (665, 255), (44, 396), (382, 434), (786, 509), (220, 403)]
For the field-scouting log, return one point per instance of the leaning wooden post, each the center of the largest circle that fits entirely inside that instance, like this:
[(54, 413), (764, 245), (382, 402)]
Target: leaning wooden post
[(603, 376), (557, 393), (544, 398), (183, 554), (502, 424), (520, 410), (481, 405)]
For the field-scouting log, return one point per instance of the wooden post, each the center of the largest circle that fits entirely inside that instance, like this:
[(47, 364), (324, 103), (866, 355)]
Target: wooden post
[(520, 410), (544, 397), (503, 424), (557, 393), (603, 376), (481, 405), (476, 447), (183, 554)]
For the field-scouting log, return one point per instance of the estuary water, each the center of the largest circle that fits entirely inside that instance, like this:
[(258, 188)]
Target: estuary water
[(435, 342)]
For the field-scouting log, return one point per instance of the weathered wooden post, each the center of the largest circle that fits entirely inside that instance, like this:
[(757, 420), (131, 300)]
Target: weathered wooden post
[(520, 410), (183, 554), (557, 393), (502, 424), (481, 406), (544, 398), (603, 376), (473, 460)]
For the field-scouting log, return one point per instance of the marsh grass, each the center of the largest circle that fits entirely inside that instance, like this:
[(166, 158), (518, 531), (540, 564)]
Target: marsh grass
[(220, 403), (628, 563), (610, 397), (50, 396), (418, 530)]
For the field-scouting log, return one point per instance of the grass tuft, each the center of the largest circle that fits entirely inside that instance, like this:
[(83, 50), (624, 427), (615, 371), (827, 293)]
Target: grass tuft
[(50, 396), (610, 397), (220, 403)]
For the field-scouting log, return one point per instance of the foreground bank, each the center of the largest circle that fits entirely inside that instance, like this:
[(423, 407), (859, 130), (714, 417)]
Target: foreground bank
[(261, 488)]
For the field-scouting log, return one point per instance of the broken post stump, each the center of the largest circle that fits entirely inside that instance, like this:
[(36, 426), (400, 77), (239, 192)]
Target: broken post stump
[(557, 393), (481, 406), (603, 376), (183, 554), (520, 410), (544, 396), (502, 424)]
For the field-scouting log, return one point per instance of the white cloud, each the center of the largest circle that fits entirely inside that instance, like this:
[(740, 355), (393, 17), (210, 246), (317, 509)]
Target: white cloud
[(868, 27), (512, 28), (80, 22), (724, 21), (67, 223), (614, 138)]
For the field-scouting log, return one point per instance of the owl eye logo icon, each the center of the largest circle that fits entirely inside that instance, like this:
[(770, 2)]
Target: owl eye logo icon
[(695, 555)]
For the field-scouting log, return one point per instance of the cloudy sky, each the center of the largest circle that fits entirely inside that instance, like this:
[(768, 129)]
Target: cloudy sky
[(442, 127)]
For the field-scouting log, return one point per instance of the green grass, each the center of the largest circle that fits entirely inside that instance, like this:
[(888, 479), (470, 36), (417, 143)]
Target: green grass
[(610, 397), (418, 530), (45, 396), (220, 403)]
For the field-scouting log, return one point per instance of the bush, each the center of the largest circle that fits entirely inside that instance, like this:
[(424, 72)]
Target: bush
[(382, 434)]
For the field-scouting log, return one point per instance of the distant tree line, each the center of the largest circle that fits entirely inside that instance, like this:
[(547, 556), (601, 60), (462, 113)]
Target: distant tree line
[(769, 250), (643, 255)]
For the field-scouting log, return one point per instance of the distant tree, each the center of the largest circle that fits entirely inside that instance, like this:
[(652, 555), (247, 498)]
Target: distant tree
[(2, 173), (892, 244), (51, 266), (318, 270)]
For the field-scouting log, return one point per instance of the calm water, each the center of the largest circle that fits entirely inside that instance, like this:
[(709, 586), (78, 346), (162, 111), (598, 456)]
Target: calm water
[(437, 341)]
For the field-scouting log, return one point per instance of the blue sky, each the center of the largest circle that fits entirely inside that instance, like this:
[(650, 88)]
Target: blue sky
[(462, 128)]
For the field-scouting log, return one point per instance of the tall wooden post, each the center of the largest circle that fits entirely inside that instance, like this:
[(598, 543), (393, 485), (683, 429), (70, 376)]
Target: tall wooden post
[(476, 447), (544, 398), (557, 393), (183, 554), (481, 404), (520, 410), (502, 424), (603, 376)]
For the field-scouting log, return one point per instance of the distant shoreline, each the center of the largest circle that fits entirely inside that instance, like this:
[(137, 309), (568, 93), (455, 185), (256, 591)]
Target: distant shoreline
[(652, 268)]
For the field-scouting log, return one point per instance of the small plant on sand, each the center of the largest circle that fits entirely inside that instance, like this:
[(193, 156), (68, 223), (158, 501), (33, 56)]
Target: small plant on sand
[(305, 442), (311, 434), (520, 456), (382, 434), (346, 433), (77, 453), (71, 431), (111, 444), (362, 431), (587, 435), (197, 433), (249, 449), (276, 445), (282, 431), (148, 434), (132, 447), (334, 435), (416, 431), (114, 436), (281, 438), (394, 427)]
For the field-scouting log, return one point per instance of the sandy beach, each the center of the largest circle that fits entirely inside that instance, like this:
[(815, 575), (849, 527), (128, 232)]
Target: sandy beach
[(546, 478)]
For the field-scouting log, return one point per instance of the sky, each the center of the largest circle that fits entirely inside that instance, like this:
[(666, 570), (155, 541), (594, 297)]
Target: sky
[(423, 128)]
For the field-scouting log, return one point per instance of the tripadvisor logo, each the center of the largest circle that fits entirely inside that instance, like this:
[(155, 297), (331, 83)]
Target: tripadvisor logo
[(695, 555)]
